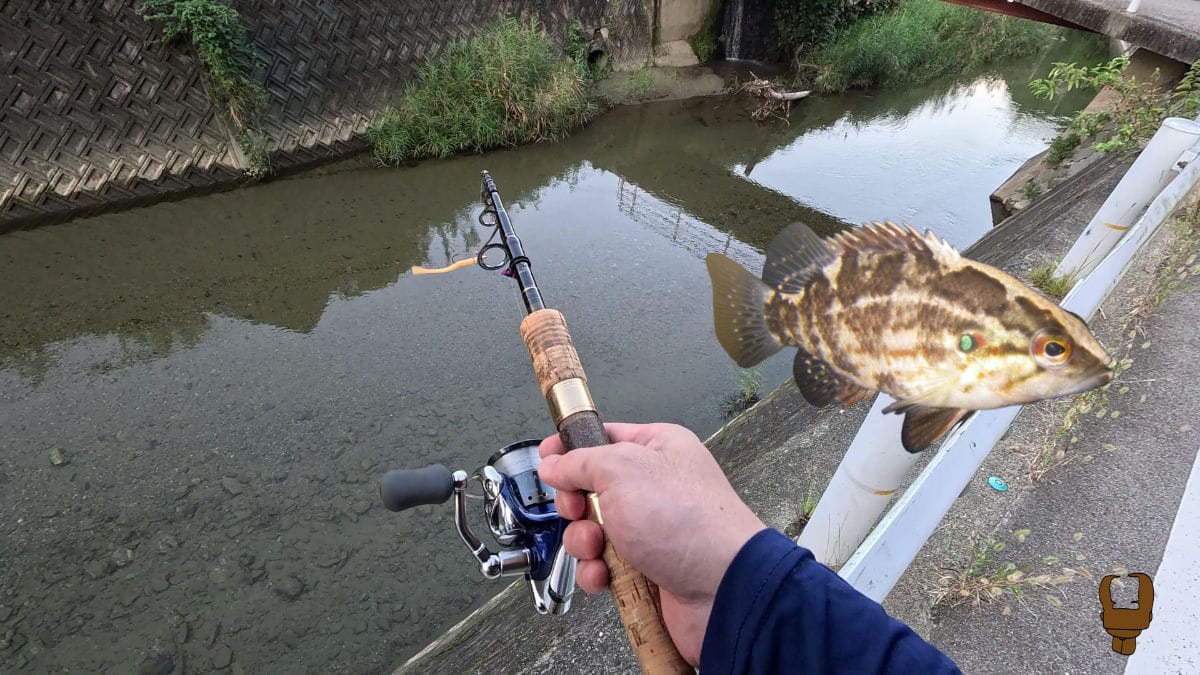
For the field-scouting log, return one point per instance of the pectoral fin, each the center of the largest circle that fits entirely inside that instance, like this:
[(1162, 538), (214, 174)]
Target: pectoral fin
[(933, 392), (923, 426), (820, 385)]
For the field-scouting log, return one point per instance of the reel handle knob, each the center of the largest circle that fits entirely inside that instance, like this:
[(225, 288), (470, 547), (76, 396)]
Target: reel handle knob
[(402, 489)]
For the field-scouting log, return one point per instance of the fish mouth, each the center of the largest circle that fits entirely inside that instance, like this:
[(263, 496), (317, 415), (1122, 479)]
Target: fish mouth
[(1098, 378)]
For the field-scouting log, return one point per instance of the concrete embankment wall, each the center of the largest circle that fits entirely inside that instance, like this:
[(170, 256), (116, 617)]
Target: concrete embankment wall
[(92, 118)]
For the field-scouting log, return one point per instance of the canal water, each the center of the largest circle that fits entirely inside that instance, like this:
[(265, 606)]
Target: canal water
[(197, 398)]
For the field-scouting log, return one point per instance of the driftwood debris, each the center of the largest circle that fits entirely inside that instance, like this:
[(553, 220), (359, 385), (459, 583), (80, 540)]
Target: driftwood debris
[(776, 98)]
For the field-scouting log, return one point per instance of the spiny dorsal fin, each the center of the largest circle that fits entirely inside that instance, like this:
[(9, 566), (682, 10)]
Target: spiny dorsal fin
[(888, 236), (923, 425), (794, 254), (739, 301), (820, 385)]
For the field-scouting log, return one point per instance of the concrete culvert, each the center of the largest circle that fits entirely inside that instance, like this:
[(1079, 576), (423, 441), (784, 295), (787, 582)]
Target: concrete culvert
[(597, 58)]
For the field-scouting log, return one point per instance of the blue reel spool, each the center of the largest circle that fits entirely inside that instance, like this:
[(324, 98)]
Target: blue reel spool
[(531, 503)]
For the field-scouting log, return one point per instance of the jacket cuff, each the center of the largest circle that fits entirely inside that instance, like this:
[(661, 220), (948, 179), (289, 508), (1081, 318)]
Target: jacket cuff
[(743, 599)]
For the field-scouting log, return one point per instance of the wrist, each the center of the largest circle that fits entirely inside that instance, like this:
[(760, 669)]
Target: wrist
[(728, 542)]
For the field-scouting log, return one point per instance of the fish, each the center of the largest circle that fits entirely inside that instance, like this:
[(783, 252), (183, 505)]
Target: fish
[(884, 308)]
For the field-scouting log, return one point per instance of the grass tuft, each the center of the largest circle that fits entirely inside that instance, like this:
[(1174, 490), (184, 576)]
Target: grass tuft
[(503, 87), (983, 581), (749, 391), (1044, 279), (917, 41)]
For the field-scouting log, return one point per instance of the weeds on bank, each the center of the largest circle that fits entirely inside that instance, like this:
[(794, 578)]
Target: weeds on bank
[(916, 42), (1063, 147), (1045, 279), (984, 581), (503, 87), (639, 82), (1139, 110), (219, 38), (1181, 263), (811, 496)]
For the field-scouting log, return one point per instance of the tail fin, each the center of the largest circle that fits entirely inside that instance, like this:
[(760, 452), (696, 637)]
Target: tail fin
[(739, 300)]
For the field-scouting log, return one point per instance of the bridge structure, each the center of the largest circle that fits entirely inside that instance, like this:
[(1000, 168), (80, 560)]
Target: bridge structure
[(1167, 27)]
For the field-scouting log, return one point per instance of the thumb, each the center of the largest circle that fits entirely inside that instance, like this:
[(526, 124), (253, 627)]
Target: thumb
[(590, 469)]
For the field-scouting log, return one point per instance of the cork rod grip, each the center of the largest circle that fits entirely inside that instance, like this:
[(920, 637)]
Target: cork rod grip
[(555, 362)]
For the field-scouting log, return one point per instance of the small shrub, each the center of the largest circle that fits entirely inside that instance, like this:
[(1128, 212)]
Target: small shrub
[(1062, 147), (216, 32), (1139, 111), (503, 87)]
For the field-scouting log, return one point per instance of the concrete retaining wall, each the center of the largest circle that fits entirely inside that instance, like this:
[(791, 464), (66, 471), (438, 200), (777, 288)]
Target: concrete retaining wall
[(91, 118)]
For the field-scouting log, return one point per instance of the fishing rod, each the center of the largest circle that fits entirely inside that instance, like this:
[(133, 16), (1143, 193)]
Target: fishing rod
[(518, 507)]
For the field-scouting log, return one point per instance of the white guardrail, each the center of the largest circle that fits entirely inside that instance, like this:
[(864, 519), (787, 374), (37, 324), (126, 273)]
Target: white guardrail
[(840, 529)]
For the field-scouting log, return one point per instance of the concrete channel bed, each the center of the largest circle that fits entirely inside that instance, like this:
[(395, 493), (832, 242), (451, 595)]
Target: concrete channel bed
[(774, 454)]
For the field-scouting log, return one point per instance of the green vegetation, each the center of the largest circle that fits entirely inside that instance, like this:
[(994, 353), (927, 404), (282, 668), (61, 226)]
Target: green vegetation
[(503, 87), (914, 42), (983, 581), (1062, 147), (639, 82), (1181, 264), (803, 25), (812, 496), (1139, 110), (749, 388), (218, 36), (1045, 280), (704, 41)]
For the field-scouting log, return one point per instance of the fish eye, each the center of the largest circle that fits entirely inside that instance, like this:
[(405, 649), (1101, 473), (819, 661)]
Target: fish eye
[(1051, 351)]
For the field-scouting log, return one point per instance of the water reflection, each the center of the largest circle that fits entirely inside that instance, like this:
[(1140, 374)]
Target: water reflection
[(227, 376)]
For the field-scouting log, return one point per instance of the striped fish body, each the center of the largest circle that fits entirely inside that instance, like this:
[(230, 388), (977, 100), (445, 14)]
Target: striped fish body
[(883, 308)]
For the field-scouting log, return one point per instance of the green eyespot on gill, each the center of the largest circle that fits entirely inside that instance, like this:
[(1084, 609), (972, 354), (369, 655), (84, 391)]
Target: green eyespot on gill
[(967, 343)]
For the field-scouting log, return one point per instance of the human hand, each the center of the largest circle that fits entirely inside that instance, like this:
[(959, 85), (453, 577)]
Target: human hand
[(668, 509)]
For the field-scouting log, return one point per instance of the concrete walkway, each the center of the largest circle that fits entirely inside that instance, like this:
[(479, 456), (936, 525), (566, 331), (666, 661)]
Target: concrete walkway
[(1170, 644)]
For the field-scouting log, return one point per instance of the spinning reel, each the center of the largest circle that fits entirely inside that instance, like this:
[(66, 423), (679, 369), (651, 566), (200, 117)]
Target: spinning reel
[(519, 510)]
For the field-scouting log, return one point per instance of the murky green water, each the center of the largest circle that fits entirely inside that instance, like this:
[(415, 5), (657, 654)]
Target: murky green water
[(227, 377)]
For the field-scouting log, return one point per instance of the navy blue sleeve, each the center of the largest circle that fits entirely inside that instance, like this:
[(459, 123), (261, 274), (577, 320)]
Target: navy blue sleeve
[(778, 610)]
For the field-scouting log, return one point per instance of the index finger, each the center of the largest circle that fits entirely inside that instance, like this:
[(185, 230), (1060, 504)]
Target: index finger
[(551, 445), (616, 432), (590, 469)]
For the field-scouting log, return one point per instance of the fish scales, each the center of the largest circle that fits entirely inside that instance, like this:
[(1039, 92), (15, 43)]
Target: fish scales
[(883, 308)]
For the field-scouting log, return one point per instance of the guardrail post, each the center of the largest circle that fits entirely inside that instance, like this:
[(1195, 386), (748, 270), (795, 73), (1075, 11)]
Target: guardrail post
[(864, 483)]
